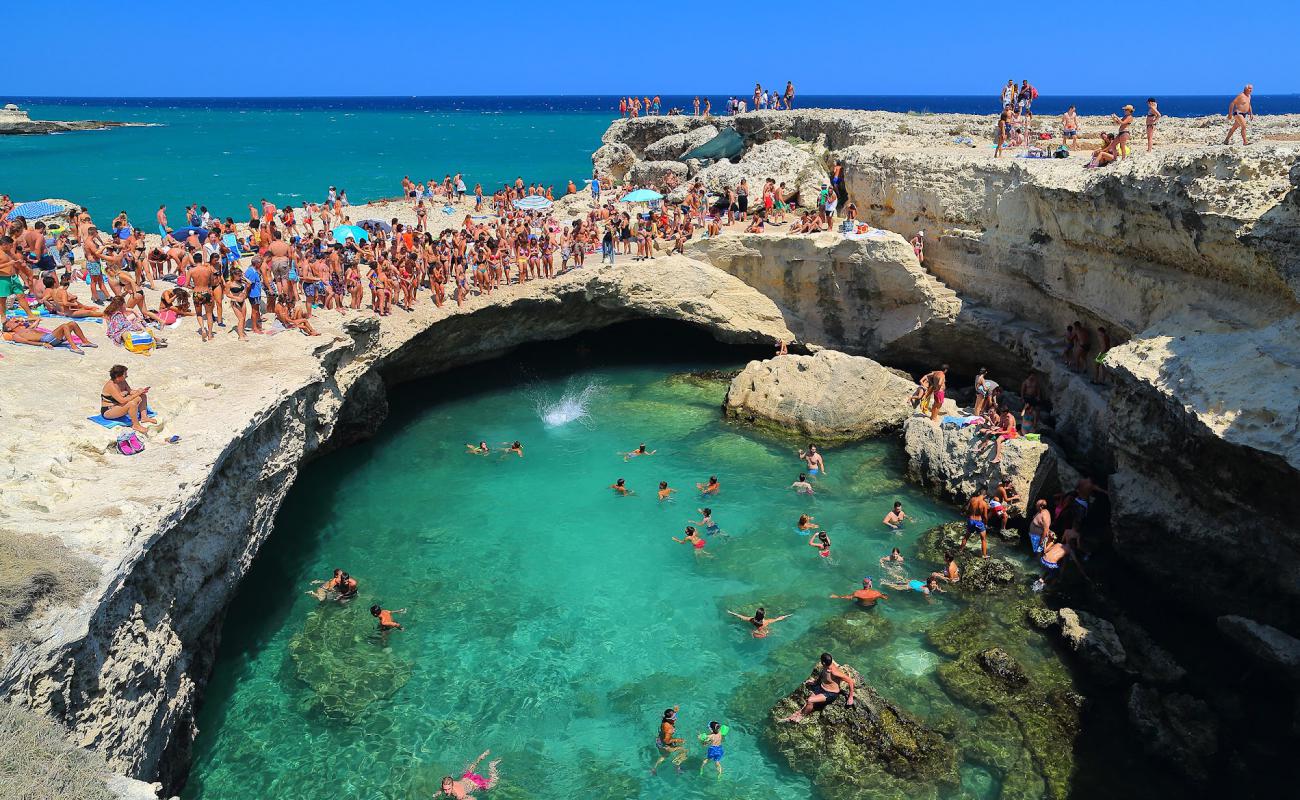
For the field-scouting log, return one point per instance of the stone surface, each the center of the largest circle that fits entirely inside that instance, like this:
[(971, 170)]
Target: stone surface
[(652, 173), (944, 460), (676, 145), (1096, 643), (1175, 728), (1001, 667), (15, 122), (613, 159), (781, 161), (829, 396)]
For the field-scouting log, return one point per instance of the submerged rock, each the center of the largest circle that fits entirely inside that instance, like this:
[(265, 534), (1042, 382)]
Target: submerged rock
[(829, 396), (1176, 728), (341, 656), (978, 575), (1002, 668), (873, 748)]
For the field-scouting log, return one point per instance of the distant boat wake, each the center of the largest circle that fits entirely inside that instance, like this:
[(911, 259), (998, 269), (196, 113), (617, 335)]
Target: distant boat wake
[(572, 406)]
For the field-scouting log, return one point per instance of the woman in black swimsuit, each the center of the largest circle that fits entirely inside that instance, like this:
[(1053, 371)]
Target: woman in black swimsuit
[(824, 686), (237, 292)]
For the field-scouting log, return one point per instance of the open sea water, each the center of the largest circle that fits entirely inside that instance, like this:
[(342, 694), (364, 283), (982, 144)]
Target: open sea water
[(225, 153)]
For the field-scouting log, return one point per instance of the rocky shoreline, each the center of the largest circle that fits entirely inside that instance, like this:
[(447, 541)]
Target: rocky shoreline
[(1191, 256), (16, 123)]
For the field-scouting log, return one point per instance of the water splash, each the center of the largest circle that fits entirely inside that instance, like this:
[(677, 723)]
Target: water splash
[(572, 406)]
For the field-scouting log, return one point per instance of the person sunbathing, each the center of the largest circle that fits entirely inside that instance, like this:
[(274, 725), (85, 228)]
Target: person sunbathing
[(59, 301), (24, 331), (1105, 154), (294, 319), (117, 400)]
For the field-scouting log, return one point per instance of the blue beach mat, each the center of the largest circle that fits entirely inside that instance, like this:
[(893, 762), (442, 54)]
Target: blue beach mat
[(124, 422)]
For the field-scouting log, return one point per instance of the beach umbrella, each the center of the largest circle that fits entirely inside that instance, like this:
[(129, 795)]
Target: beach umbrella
[(35, 210), (533, 202), (378, 224), (642, 196), (181, 234), (343, 232)]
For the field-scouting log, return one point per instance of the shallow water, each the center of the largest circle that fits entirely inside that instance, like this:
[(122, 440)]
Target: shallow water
[(549, 619)]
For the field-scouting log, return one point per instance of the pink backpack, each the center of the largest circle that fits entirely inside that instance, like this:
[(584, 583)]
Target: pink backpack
[(128, 444)]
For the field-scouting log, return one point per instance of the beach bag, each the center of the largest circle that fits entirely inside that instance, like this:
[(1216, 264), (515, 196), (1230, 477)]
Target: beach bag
[(139, 342), (128, 444)]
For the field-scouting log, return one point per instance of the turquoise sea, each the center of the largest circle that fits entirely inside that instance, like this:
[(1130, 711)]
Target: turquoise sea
[(549, 619)]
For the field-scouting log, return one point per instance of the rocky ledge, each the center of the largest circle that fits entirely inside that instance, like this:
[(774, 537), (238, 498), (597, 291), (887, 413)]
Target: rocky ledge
[(17, 123)]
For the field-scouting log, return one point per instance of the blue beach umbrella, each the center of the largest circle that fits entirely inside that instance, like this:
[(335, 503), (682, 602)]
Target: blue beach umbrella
[(35, 210), (344, 232), (642, 196), (377, 224), (181, 234), (533, 202)]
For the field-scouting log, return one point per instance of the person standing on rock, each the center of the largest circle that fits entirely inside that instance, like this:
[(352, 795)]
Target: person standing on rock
[(1239, 112), (977, 515), (932, 389), (789, 95), (825, 687)]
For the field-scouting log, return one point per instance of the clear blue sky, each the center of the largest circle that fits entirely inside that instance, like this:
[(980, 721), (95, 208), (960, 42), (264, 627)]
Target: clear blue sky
[(448, 47)]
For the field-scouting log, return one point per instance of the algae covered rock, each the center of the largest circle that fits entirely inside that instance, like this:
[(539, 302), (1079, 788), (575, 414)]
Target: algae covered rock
[(1001, 667), (1096, 643), (342, 658), (873, 748), (829, 396), (978, 575)]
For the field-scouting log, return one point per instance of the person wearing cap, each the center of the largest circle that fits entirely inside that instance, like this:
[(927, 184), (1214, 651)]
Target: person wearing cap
[(866, 596), (918, 246), (1121, 136)]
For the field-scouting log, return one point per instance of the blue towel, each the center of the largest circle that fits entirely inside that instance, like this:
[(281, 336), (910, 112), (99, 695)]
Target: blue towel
[(122, 422)]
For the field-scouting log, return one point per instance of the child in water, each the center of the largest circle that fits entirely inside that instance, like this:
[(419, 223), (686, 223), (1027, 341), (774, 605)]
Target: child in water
[(640, 451), (664, 492), (480, 450), (470, 780), (386, 621), (712, 741), (516, 448), (823, 542), (620, 488), (712, 487), (694, 540), (806, 523), (706, 519)]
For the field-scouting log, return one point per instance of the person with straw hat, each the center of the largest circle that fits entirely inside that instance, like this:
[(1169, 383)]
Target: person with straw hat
[(1121, 137)]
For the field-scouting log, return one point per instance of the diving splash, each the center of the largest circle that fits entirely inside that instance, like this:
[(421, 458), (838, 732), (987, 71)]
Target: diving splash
[(571, 407)]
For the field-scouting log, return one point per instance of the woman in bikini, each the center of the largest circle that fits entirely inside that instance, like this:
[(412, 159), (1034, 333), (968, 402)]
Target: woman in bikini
[(1121, 136), (823, 544), (237, 290), (760, 621), (825, 685), (117, 400), (471, 781)]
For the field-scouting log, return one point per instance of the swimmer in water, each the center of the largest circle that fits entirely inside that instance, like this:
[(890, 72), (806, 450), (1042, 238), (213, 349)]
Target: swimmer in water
[(470, 780), (640, 451), (516, 448), (950, 572), (323, 588), (894, 556), (927, 588), (816, 465), (620, 488), (802, 486), (706, 519), (694, 540), (806, 523), (713, 741), (760, 621), (668, 743), (895, 518), (481, 449), (386, 621), (711, 487), (823, 542), (866, 596), (347, 588), (664, 492)]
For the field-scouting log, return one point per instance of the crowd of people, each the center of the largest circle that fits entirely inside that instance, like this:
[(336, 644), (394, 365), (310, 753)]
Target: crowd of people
[(632, 106)]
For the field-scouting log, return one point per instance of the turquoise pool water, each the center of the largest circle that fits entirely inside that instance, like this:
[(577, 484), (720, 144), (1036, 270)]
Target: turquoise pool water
[(549, 620)]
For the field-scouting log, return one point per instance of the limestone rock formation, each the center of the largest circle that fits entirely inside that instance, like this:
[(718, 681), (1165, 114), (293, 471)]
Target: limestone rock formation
[(800, 171), (1175, 728), (1095, 641), (613, 159), (651, 173), (944, 460), (638, 134), (873, 746), (676, 145), (829, 396)]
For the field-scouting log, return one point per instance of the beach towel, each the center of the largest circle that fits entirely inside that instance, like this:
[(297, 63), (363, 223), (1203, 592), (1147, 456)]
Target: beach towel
[(874, 233), (104, 422), (960, 422)]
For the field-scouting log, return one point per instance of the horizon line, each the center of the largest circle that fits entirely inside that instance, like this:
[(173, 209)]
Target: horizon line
[(543, 95)]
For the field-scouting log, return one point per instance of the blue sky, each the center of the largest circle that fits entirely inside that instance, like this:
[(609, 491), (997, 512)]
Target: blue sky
[(328, 47)]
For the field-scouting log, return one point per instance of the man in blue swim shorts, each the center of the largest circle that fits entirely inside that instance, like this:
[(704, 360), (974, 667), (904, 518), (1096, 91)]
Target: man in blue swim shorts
[(977, 515), (816, 465)]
